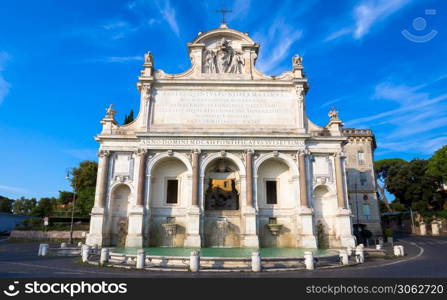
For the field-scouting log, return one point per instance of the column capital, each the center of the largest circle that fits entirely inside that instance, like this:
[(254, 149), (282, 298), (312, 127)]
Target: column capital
[(140, 152), (304, 151), (104, 153), (250, 151), (196, 150)]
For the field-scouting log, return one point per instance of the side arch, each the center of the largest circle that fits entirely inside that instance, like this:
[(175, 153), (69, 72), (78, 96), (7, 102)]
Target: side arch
[(160, 156), (281, 156)]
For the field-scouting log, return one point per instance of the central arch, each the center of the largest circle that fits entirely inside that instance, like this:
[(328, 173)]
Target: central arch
[(222, 195)]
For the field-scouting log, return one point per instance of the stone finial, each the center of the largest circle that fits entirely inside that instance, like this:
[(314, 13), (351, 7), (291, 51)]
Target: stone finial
[(297, 61), (333, 114), (148, 59), (109, 123), (110, 112), (335, 124), (148, 64)]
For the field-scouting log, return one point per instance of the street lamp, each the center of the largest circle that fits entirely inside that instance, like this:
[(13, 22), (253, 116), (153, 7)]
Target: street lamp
[(69, 176)]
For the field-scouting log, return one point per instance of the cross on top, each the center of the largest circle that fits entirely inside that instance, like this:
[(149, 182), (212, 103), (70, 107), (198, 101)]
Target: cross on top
[(223, 12)]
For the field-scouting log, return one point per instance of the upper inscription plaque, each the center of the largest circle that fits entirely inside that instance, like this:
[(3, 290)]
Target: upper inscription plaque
[(223, 108)]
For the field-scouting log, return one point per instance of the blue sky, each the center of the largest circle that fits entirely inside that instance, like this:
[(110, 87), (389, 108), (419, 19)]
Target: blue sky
[(63, 62)]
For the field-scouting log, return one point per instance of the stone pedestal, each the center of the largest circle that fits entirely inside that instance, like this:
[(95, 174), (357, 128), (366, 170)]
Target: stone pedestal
[(134, 237), (193, 239), (307, 237), (344, 228), (251, 239), (423, 229), (435, 228), (97, 234)]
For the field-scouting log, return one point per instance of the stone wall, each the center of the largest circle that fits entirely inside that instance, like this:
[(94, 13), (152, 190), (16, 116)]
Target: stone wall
[(41, 235)]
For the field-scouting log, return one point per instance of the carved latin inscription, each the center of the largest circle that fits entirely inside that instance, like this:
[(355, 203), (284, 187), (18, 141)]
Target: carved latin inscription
[(225, 107)]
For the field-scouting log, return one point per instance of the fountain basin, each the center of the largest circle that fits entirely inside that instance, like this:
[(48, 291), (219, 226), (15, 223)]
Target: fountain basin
[(274, 228)]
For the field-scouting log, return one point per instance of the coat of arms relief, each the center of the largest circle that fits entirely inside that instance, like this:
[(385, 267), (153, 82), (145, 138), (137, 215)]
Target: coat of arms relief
[(223, 59)]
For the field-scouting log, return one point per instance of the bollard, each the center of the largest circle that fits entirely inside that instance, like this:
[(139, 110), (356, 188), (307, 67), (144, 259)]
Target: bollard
[(104, 257), (401, 249), (396, 251), (141, 257), (309, 260), (435, 228), (379, 247), (194, 261), (359, 254), (85, 252), (255, 262), (423, 229), (344, 259), (63, 245), (44, 250), (349, 251)]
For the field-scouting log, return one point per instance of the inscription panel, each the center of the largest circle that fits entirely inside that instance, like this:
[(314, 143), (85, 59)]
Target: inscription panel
[(216, 108)]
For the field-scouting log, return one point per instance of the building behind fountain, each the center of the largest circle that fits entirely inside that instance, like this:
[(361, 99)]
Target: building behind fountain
[(223, 155)]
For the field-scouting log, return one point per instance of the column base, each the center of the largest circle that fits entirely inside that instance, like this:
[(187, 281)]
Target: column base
[(135, 230), (96, 235), (308, 241), (193, 241), (348, 241), (100, 240), (251, 241), (134, 241)]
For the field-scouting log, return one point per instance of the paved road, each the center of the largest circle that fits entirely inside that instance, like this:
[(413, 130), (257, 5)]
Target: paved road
[(425, 258)]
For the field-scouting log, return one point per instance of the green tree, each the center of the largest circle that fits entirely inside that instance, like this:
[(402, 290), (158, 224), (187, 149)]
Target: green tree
[(45, 207), (437, 165), (84, 184), (65, 197), (128, 118), (24, 206), (5, 204), (383, 168)]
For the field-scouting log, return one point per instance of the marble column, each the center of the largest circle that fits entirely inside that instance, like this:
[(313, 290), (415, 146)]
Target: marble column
[(195, 178), (136, 212), (341, 200), (343, 221), (193, 227), (101, 179), (303, 184), (97, 234), (306, 238), (249, 177), (251, 239), (141, 177)]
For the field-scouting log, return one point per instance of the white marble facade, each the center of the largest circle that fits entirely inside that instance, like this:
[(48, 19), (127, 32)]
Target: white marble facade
[(221, 155)]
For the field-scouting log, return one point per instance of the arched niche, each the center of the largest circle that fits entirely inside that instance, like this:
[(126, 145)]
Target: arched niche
[(120, 197)]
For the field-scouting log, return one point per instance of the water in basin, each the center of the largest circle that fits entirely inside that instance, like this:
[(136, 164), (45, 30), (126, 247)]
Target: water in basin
[(226, 252)]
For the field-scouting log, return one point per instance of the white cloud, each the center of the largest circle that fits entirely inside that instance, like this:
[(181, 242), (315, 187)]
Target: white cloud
[(366, 15), (4, 85), (168, 14), (277, 44), (370, 12), (239, 10), (337, 34), (417, 125), (122, 59), (13, 189)]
